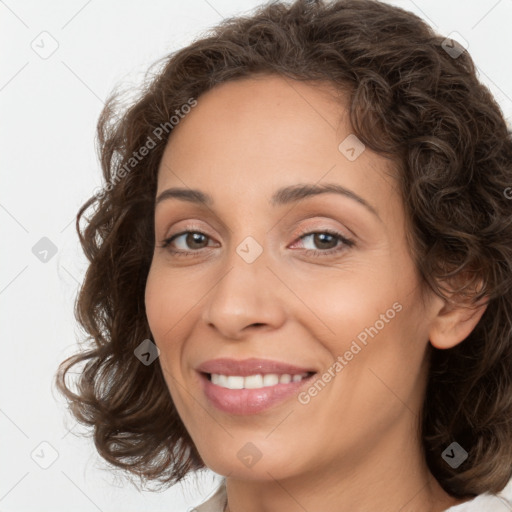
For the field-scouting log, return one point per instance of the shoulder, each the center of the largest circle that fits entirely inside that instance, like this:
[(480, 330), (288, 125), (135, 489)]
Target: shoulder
[(483, 503), (216, 502)]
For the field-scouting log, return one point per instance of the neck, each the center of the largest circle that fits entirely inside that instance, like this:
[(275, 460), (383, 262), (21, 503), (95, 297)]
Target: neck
[(400, 480)]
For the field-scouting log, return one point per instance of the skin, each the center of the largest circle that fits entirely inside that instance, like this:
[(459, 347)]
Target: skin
[(354, 446)]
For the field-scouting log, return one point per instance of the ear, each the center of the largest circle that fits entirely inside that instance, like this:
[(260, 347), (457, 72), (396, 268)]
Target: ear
[(454, 323)]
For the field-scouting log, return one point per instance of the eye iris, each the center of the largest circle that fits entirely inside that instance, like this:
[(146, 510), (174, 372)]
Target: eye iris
[(320, 240), (193, 238)]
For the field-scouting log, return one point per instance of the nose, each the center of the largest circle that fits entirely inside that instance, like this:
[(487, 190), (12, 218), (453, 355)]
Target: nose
[(246, 296)]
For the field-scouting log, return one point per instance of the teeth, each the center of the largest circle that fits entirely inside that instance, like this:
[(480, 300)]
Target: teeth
[(285, 378), (270, 379), (254, 381)]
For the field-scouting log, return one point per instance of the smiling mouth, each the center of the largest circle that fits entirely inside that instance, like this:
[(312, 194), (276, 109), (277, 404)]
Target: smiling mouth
[(255, 381), (253, 385), (252, 394)]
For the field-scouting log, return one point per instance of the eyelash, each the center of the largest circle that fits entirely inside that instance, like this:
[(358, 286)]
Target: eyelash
[(313, 252)]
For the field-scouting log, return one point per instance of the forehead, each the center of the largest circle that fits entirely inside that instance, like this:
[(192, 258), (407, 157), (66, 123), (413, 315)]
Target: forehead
[(264, 108), (258, 134)]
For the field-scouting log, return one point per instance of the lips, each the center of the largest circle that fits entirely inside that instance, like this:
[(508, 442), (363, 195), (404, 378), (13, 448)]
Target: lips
[(244, 401)]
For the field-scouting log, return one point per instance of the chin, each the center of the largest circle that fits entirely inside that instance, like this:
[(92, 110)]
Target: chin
[(240, 464)]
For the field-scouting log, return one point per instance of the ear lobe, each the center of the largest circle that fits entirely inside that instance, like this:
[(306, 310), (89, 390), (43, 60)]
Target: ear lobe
[(453, 324)]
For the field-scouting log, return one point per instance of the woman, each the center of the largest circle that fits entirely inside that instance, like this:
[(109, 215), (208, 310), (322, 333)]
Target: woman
[(301, 269)]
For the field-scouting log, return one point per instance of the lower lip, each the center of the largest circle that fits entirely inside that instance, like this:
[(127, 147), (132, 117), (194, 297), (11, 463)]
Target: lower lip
[(249, 401)]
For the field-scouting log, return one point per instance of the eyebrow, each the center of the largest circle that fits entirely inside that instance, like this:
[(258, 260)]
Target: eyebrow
[(282, 196)]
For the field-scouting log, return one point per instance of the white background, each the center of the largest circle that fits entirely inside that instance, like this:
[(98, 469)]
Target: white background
[(49, 168)]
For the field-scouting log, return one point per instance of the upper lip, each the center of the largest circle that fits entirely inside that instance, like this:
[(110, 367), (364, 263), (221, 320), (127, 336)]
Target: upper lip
[(252, 366)]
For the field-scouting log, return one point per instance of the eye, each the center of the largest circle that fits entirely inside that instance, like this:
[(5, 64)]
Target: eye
[(330, 242), (190, 242)]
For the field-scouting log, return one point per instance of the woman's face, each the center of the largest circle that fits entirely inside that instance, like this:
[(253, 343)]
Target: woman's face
[(269, 277)]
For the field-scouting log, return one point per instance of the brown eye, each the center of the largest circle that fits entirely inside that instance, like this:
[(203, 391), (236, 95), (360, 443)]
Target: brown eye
[(324, 243), (186, 241), (325, 240), (195, 240)]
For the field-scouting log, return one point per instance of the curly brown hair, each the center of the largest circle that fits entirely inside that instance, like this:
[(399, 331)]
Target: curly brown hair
[(409, 99)]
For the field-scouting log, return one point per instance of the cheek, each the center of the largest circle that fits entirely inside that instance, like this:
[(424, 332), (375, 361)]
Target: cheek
[(154, 299), (349, 304), (171, 310), (163, 319), (375, 319), (166, 302), (159, 302)]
